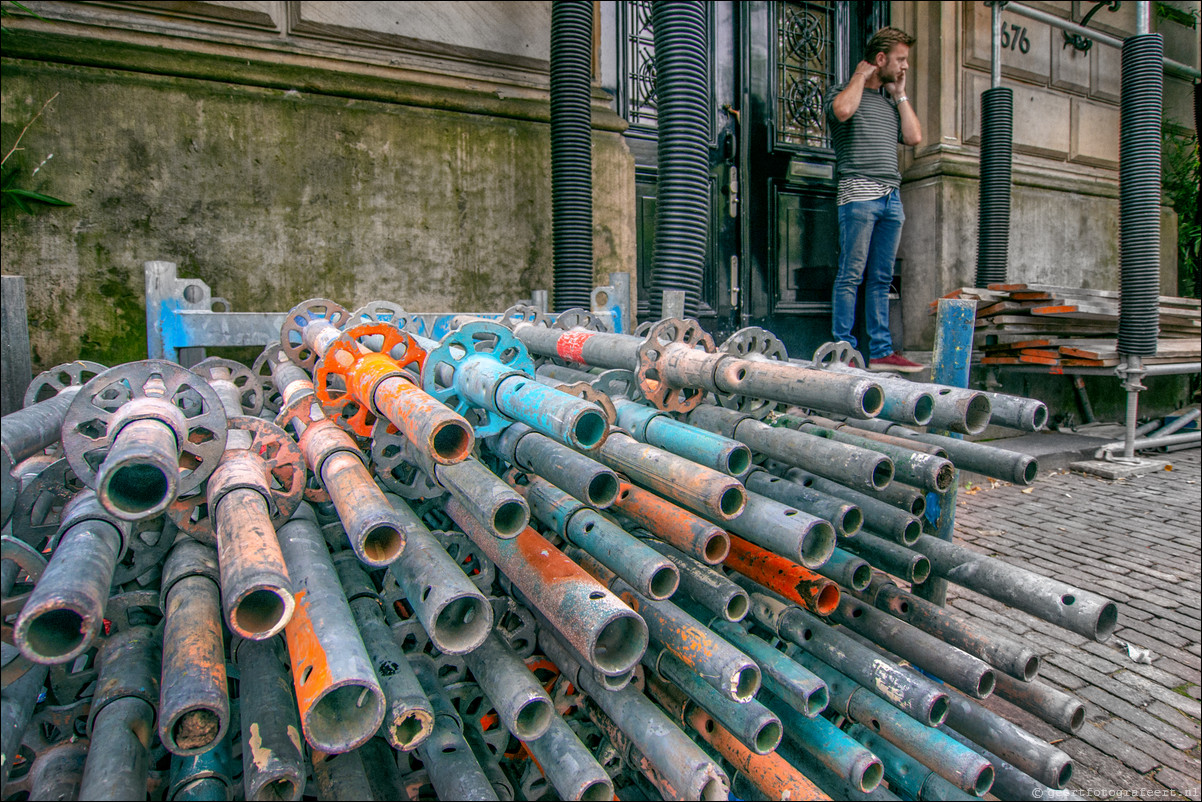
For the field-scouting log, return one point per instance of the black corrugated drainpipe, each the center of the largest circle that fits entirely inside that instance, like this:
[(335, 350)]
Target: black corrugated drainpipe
[(682, 194), (572, 152), (1141, 106), (993, 211)]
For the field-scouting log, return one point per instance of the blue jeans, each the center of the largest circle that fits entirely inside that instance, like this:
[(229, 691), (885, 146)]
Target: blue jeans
[(869, 232)]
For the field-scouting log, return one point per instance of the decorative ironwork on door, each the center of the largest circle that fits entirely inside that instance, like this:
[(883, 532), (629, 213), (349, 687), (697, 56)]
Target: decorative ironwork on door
[(805, 69), (638, 101)]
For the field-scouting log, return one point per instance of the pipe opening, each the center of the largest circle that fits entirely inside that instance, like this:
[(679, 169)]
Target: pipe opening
[(452, 441), (920, 569), (137, 488), (260, 612), (861, 577), (411, 726), (986, 684), (383, 544), (1031, 668), (944, 477), (343, 716), (747, 682), (911, 532), (509, 518), (196, 729), (882, 473), (736, 607), (918, 504), (817, 544), (616, 682), (1039, 417), (276, 791), (851, 522), (602, 490), (1108, 619), (984, 781), (1030, 468), (732, 502), (461, 625), (977, 414), (717, 548), (738, 461), (620, 644), (713, 791), (589, 429), (874, 772), (817, 701), (768, 738), (873, 401), (828, 599), (1063, 776), (1077, 718), (939, 710), (597, 791), (55, 634), (532, 719), (924, 409), (664, 582)]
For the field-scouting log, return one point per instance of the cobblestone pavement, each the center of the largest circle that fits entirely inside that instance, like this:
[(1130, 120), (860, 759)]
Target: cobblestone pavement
[(1139, 542)]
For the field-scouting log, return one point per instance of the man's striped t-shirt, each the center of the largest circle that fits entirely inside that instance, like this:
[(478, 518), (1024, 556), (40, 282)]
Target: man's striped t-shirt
[(865, 146)]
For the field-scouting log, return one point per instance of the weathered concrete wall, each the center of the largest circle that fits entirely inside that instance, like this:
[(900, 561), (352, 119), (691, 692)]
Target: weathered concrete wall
[(272, 196)]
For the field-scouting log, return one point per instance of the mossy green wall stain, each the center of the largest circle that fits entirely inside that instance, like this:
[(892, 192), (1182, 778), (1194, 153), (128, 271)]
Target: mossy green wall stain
[(272, 196)]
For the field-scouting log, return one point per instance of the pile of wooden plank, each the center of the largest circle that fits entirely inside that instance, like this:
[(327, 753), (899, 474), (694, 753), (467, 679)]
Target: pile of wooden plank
[(1039, 324)]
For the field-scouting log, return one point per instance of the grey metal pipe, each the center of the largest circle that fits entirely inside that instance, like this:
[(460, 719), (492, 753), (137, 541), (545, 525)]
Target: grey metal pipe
[(995, 46), (703, 585), (844, 516), (520, 701), (273, 761), (568, 764)]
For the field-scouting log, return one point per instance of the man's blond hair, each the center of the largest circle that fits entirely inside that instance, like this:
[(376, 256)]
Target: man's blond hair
[(884, 41)]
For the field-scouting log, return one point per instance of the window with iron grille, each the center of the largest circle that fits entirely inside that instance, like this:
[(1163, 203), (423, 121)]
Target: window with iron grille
[(806, 61)]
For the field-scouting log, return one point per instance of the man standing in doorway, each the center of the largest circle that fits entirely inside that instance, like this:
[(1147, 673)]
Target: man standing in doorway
[(869, 115)]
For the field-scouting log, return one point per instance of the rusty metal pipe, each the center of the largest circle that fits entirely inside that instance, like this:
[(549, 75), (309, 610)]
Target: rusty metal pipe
[(905, 401), (633, 723), (678, 689), (340, 700), (1016, 412), (593, 620), (1063, 711), (1009, 466), (929, 745), (905, 497), (273, 762), (957, 668), (439, 432), (369, 520), (17, 702), (65, 611), (798, 536), (798, 687), (880, 516), (256, 591), (485, 497), (58, 772), (657, 428), (830, 746), (580, 476), (26, 432), (890, 557), (523, 706), (726, 669), (857, 467), (620, 552), (844, 516), (912, 467), (1009, 656), (568, 764), (914, 695), (688, 532), (703, 585), (1009, 782), (139, 477), (702, 490), (856, 396), (850, 571), (194, 705), (795, 582), (450, 764), (207, 777), (1074, 609), (451, 609), (122, 717), (408, 717)]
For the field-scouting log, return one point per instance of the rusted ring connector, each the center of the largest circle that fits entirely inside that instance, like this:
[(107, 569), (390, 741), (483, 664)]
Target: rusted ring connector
[(385, 383), (408, 717), (340, 700), (370, 522), (483, 368), (121, 720), (581, 476), (65, 611), (194, 702), (273, 762), (451, 609), (309, 328), (705, 491), (593, 621), (143, 433)]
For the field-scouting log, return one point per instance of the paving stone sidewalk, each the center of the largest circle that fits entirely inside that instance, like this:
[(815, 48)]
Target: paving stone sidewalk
[(1139, 542)]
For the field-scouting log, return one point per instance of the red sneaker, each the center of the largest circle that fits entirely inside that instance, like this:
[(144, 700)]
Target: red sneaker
[(895, 363)]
